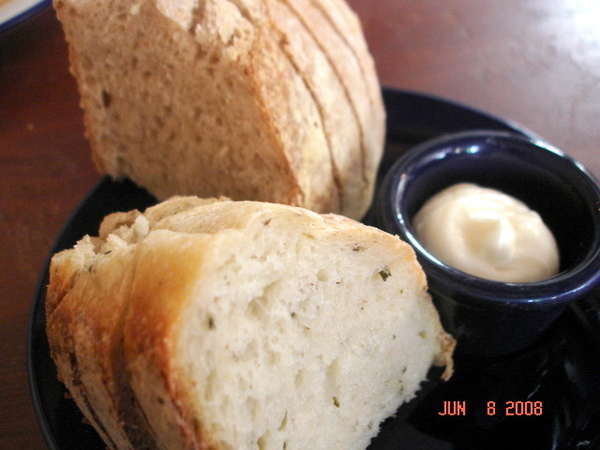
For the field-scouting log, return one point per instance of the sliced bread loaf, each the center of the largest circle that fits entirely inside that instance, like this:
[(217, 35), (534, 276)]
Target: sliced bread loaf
[(266, 100), (240, 325)]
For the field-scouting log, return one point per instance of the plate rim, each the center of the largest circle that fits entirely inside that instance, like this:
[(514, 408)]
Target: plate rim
[(15, 12)]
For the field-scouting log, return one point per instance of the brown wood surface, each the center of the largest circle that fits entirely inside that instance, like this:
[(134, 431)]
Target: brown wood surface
[(534, 62)]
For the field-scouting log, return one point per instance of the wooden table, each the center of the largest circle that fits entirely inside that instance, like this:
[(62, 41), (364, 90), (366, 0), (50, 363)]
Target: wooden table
[(534, 62)]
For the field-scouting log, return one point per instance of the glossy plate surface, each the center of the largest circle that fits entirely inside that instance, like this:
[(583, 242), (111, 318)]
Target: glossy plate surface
[(13, 12), (545, 397)]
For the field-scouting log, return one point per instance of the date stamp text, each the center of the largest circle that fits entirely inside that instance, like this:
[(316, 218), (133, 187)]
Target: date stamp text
[(508, 408)]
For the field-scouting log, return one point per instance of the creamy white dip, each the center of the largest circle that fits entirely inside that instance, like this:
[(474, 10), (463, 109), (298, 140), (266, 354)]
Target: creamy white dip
[(487, 233)]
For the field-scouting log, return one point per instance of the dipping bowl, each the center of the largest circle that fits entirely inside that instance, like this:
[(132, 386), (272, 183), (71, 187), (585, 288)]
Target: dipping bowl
[(491, 318)]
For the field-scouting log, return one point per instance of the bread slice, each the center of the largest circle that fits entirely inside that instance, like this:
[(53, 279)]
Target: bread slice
[(338, 32), (335, 109), (227, 97), (240, 325)]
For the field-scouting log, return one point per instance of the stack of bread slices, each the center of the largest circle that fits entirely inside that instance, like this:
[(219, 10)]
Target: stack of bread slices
[(270, 100), (240, 325)]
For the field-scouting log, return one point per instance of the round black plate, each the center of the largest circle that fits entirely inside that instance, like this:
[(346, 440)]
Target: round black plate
[(545, 397)]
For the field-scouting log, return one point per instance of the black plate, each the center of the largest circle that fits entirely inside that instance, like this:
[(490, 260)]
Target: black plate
[(545, 397), (14, 12)]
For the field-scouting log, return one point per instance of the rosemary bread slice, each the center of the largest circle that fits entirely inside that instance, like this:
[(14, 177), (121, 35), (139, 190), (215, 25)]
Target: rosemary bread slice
[(240, 325)]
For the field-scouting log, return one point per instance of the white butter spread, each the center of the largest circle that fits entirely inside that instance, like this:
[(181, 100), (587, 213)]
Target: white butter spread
[(487, 233)]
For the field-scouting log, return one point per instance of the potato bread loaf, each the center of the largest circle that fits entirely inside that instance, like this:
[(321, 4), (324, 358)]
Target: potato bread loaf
[(240, 325), (271, 100)]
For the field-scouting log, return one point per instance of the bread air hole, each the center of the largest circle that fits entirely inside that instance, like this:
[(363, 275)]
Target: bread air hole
[(210, 323), (201, 53), (299, 379), (106, 99), (87, 63), (262, 442), (255, 409), (323, 275), (260, 305), (257, 308), (283, 423)]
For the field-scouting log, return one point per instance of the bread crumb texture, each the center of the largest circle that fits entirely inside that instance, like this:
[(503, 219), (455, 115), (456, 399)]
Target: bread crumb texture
[(240, 325), (269, 100)]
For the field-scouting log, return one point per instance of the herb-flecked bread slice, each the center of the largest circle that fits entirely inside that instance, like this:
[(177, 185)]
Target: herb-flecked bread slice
[(240, 325)]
